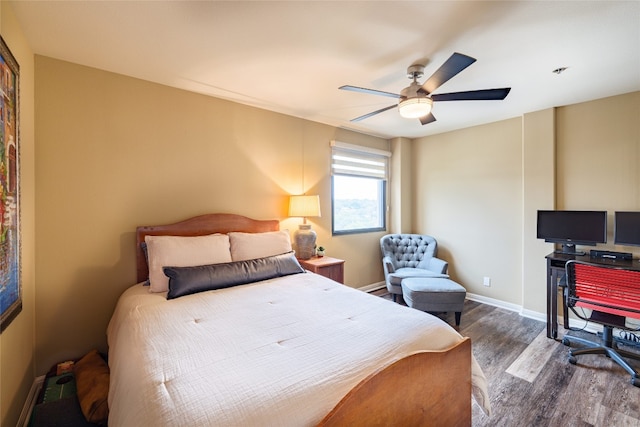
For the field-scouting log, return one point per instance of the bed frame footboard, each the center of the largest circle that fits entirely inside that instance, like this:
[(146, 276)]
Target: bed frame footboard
[(424, 389)]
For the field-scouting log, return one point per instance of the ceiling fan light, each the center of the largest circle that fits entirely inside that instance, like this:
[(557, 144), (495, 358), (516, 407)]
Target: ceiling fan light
[(412, 108)]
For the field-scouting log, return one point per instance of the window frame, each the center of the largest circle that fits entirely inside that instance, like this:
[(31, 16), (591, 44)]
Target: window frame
[(381, 175)]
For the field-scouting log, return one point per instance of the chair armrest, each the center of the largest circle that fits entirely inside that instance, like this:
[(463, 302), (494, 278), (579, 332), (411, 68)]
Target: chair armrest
[(387, 264), (438, 265)]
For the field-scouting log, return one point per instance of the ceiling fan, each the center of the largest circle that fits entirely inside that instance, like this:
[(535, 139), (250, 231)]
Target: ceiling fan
[(416, 100)]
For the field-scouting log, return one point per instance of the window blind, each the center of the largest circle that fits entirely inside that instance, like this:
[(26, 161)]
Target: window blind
[(354, 160)]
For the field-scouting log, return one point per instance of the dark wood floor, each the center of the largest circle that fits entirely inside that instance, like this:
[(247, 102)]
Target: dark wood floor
[(531, 383)]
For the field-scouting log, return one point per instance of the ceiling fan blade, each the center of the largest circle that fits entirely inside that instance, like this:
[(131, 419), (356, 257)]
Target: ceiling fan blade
[(473, 95), (452, 66), (427, 119), (369, 91), (366, 116)]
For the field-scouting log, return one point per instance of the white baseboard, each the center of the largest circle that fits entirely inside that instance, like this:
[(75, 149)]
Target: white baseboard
[(535, 315), (495, 303), (372, 287), (27, 409), (592, 327)]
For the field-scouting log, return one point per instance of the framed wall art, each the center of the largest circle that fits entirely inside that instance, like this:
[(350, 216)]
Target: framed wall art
[(10, 277)]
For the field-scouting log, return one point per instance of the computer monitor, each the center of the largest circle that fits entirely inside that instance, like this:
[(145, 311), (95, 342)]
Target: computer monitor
[(571, 228), (626, 229)]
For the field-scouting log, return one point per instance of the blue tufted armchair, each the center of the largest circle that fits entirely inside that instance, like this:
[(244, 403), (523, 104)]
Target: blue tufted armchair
[(410, 255)]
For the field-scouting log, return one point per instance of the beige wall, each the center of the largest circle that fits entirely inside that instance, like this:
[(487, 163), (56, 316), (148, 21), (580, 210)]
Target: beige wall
[(115, 152), (401, 186), (468, 194), (598, 159), (538, 180), (16, 341), (478, 189), (599, 156)]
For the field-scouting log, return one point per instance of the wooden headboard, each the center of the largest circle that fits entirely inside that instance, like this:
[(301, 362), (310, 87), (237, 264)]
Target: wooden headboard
[(198, 226)]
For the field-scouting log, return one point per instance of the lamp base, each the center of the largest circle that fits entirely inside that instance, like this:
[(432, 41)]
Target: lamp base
[(305, 240)]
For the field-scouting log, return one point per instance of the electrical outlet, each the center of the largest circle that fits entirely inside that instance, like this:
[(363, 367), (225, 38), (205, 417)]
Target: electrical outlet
[(487, 281)]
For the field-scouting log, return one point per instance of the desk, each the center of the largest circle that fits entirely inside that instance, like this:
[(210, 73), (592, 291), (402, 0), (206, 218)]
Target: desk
[(555, 273)]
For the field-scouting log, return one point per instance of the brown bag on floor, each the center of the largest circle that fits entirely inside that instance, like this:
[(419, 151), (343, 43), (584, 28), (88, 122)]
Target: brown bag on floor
[(92, 382)]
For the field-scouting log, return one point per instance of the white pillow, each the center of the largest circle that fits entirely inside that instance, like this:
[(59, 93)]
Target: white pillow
[(179, 251), (246, 246)]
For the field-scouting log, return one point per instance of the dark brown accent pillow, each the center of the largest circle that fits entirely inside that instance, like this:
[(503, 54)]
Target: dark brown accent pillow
[(92, 382)]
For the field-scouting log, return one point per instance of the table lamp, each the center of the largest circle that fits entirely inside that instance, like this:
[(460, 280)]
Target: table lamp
[(304, 237)]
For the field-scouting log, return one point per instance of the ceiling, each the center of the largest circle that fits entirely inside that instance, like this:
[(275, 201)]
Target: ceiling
[(291, 56)]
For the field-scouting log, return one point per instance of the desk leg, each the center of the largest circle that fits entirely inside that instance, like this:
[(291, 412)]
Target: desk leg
[(565, 309), (552, 302)]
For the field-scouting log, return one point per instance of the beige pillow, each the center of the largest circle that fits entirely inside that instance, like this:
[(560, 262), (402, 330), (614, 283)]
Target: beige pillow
[(179, 251), (246, 246)]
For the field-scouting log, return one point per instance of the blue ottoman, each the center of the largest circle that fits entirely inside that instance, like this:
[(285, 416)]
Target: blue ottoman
[(434, 295)]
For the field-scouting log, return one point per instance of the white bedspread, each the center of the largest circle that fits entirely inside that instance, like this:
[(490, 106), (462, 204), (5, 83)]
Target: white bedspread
[(281, 352)]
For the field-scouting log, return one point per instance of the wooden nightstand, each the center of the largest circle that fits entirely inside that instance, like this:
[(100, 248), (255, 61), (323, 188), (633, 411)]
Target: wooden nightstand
[(333, 268)]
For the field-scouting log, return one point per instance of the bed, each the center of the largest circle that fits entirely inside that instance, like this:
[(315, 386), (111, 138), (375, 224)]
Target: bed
[(290, 349)]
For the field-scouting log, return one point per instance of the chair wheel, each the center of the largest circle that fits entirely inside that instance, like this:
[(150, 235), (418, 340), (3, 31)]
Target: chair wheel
[(572, 359), (566, 341), (635, 381)]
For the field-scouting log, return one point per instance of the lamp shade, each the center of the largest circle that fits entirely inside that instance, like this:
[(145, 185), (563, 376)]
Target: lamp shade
[(304, 206)]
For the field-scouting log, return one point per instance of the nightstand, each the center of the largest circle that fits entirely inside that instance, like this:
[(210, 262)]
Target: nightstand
[(333, 268)]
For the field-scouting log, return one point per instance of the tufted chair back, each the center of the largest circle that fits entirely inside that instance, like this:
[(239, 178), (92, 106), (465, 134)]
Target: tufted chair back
[(410, 255), (409, 250)]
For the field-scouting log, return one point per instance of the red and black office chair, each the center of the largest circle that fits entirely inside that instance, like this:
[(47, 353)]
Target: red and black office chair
[(612, 294)]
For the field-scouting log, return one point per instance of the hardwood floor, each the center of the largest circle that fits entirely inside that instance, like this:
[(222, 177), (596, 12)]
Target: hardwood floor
[(531, 383)]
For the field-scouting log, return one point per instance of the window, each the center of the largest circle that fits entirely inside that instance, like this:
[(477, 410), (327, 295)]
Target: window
[(358, 188)]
